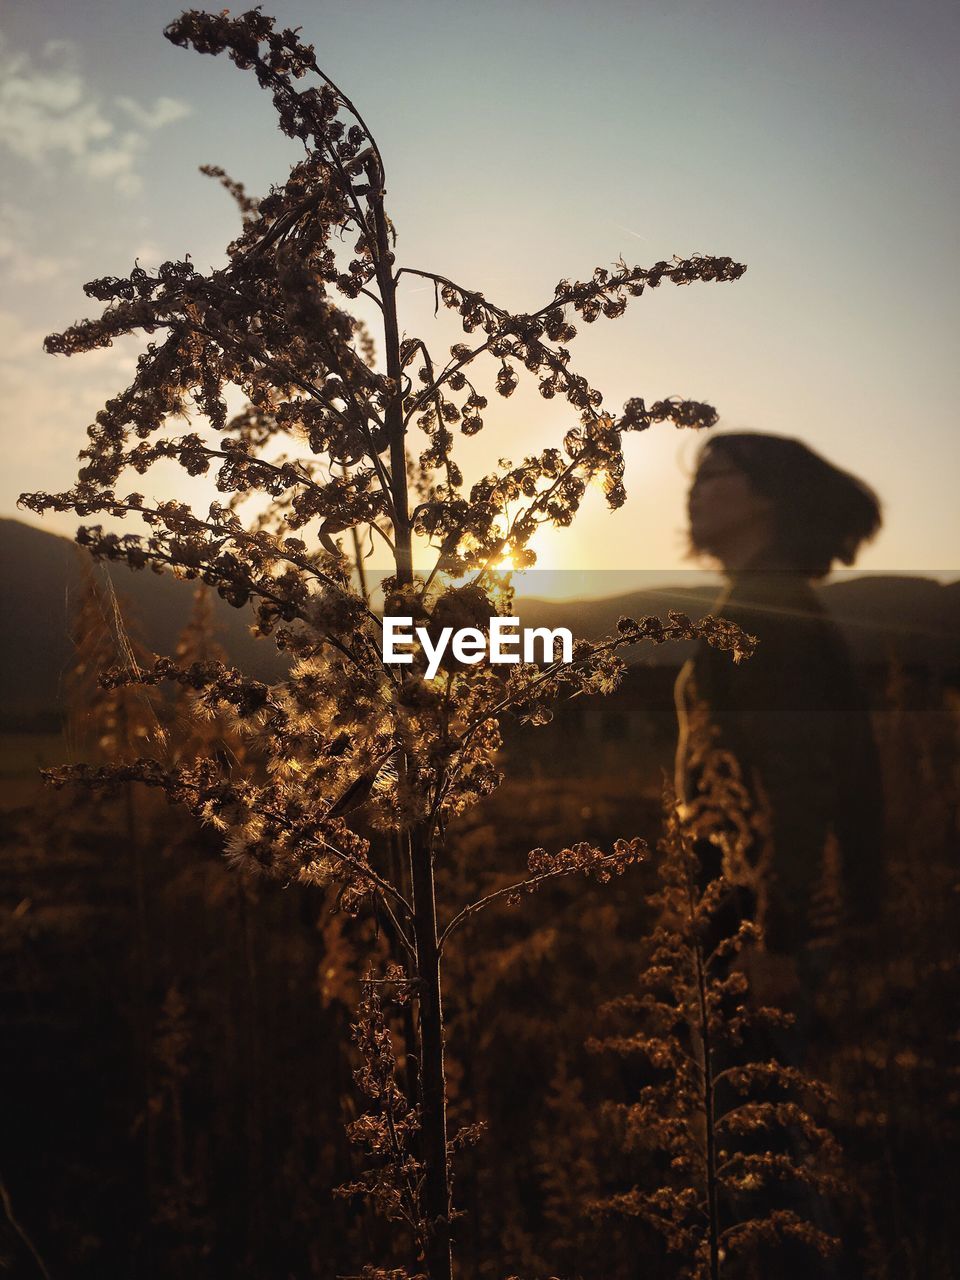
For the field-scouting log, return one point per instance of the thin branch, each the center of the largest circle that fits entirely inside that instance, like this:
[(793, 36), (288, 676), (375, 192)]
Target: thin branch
[(529, 885), (362, 870), (20, 1230), (407, 943)]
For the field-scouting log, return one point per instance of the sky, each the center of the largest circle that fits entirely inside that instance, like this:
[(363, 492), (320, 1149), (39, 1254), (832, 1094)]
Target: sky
[(525, 142)]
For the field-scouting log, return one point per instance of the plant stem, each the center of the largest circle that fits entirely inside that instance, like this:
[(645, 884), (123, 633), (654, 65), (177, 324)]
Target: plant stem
[(433, 1089), (711, 1162), (393, 411), (433, 1100)]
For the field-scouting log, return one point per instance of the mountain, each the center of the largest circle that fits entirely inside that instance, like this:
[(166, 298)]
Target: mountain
[(914, 619), (917, 619), (41, 578)]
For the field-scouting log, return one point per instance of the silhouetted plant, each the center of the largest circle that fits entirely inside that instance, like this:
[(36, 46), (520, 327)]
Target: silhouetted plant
[(388, 1130), (730, 1127), (200, 729), (330, 444), (119, 721)]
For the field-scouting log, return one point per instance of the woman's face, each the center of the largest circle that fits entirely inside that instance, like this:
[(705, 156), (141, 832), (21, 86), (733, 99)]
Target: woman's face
[(727, 516)]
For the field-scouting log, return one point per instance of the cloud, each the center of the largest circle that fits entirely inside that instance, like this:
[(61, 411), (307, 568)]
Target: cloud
[(47, 403), (48, 112), (24, 362), (18, 343), (164, 111), (17, 255)]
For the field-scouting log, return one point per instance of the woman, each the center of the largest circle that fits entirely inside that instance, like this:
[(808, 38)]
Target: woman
[(792, 719)]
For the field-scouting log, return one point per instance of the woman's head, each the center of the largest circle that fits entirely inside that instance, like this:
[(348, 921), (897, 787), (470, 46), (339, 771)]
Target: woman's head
[(770, 500)]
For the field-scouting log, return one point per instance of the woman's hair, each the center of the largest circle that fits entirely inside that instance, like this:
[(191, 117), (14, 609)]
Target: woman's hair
[(820, 513)]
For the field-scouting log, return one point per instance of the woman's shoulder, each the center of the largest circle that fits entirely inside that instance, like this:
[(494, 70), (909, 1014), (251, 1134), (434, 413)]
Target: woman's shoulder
[(780, 605), (795, 632), (779, 592)]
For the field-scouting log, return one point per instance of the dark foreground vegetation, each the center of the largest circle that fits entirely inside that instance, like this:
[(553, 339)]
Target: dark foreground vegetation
[(178, 1067), (365, 1012)]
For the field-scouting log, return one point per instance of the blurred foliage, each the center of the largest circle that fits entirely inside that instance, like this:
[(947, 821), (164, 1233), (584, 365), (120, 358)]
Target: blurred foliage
[(217, 1155)]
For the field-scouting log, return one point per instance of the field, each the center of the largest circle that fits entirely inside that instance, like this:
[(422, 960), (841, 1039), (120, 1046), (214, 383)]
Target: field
[(178, 1049)]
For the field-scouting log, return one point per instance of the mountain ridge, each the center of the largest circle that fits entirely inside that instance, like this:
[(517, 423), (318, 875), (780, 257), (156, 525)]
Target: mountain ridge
[(41, 573)]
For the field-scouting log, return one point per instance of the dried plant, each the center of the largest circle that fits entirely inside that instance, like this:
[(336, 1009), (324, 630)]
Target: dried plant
[(743, 1161), (115, 722), (333, 445), (389, 1129)]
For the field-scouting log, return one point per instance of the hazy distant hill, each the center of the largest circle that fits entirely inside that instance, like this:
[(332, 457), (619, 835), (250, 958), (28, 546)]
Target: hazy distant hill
[(915, 618), (40, 576)]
